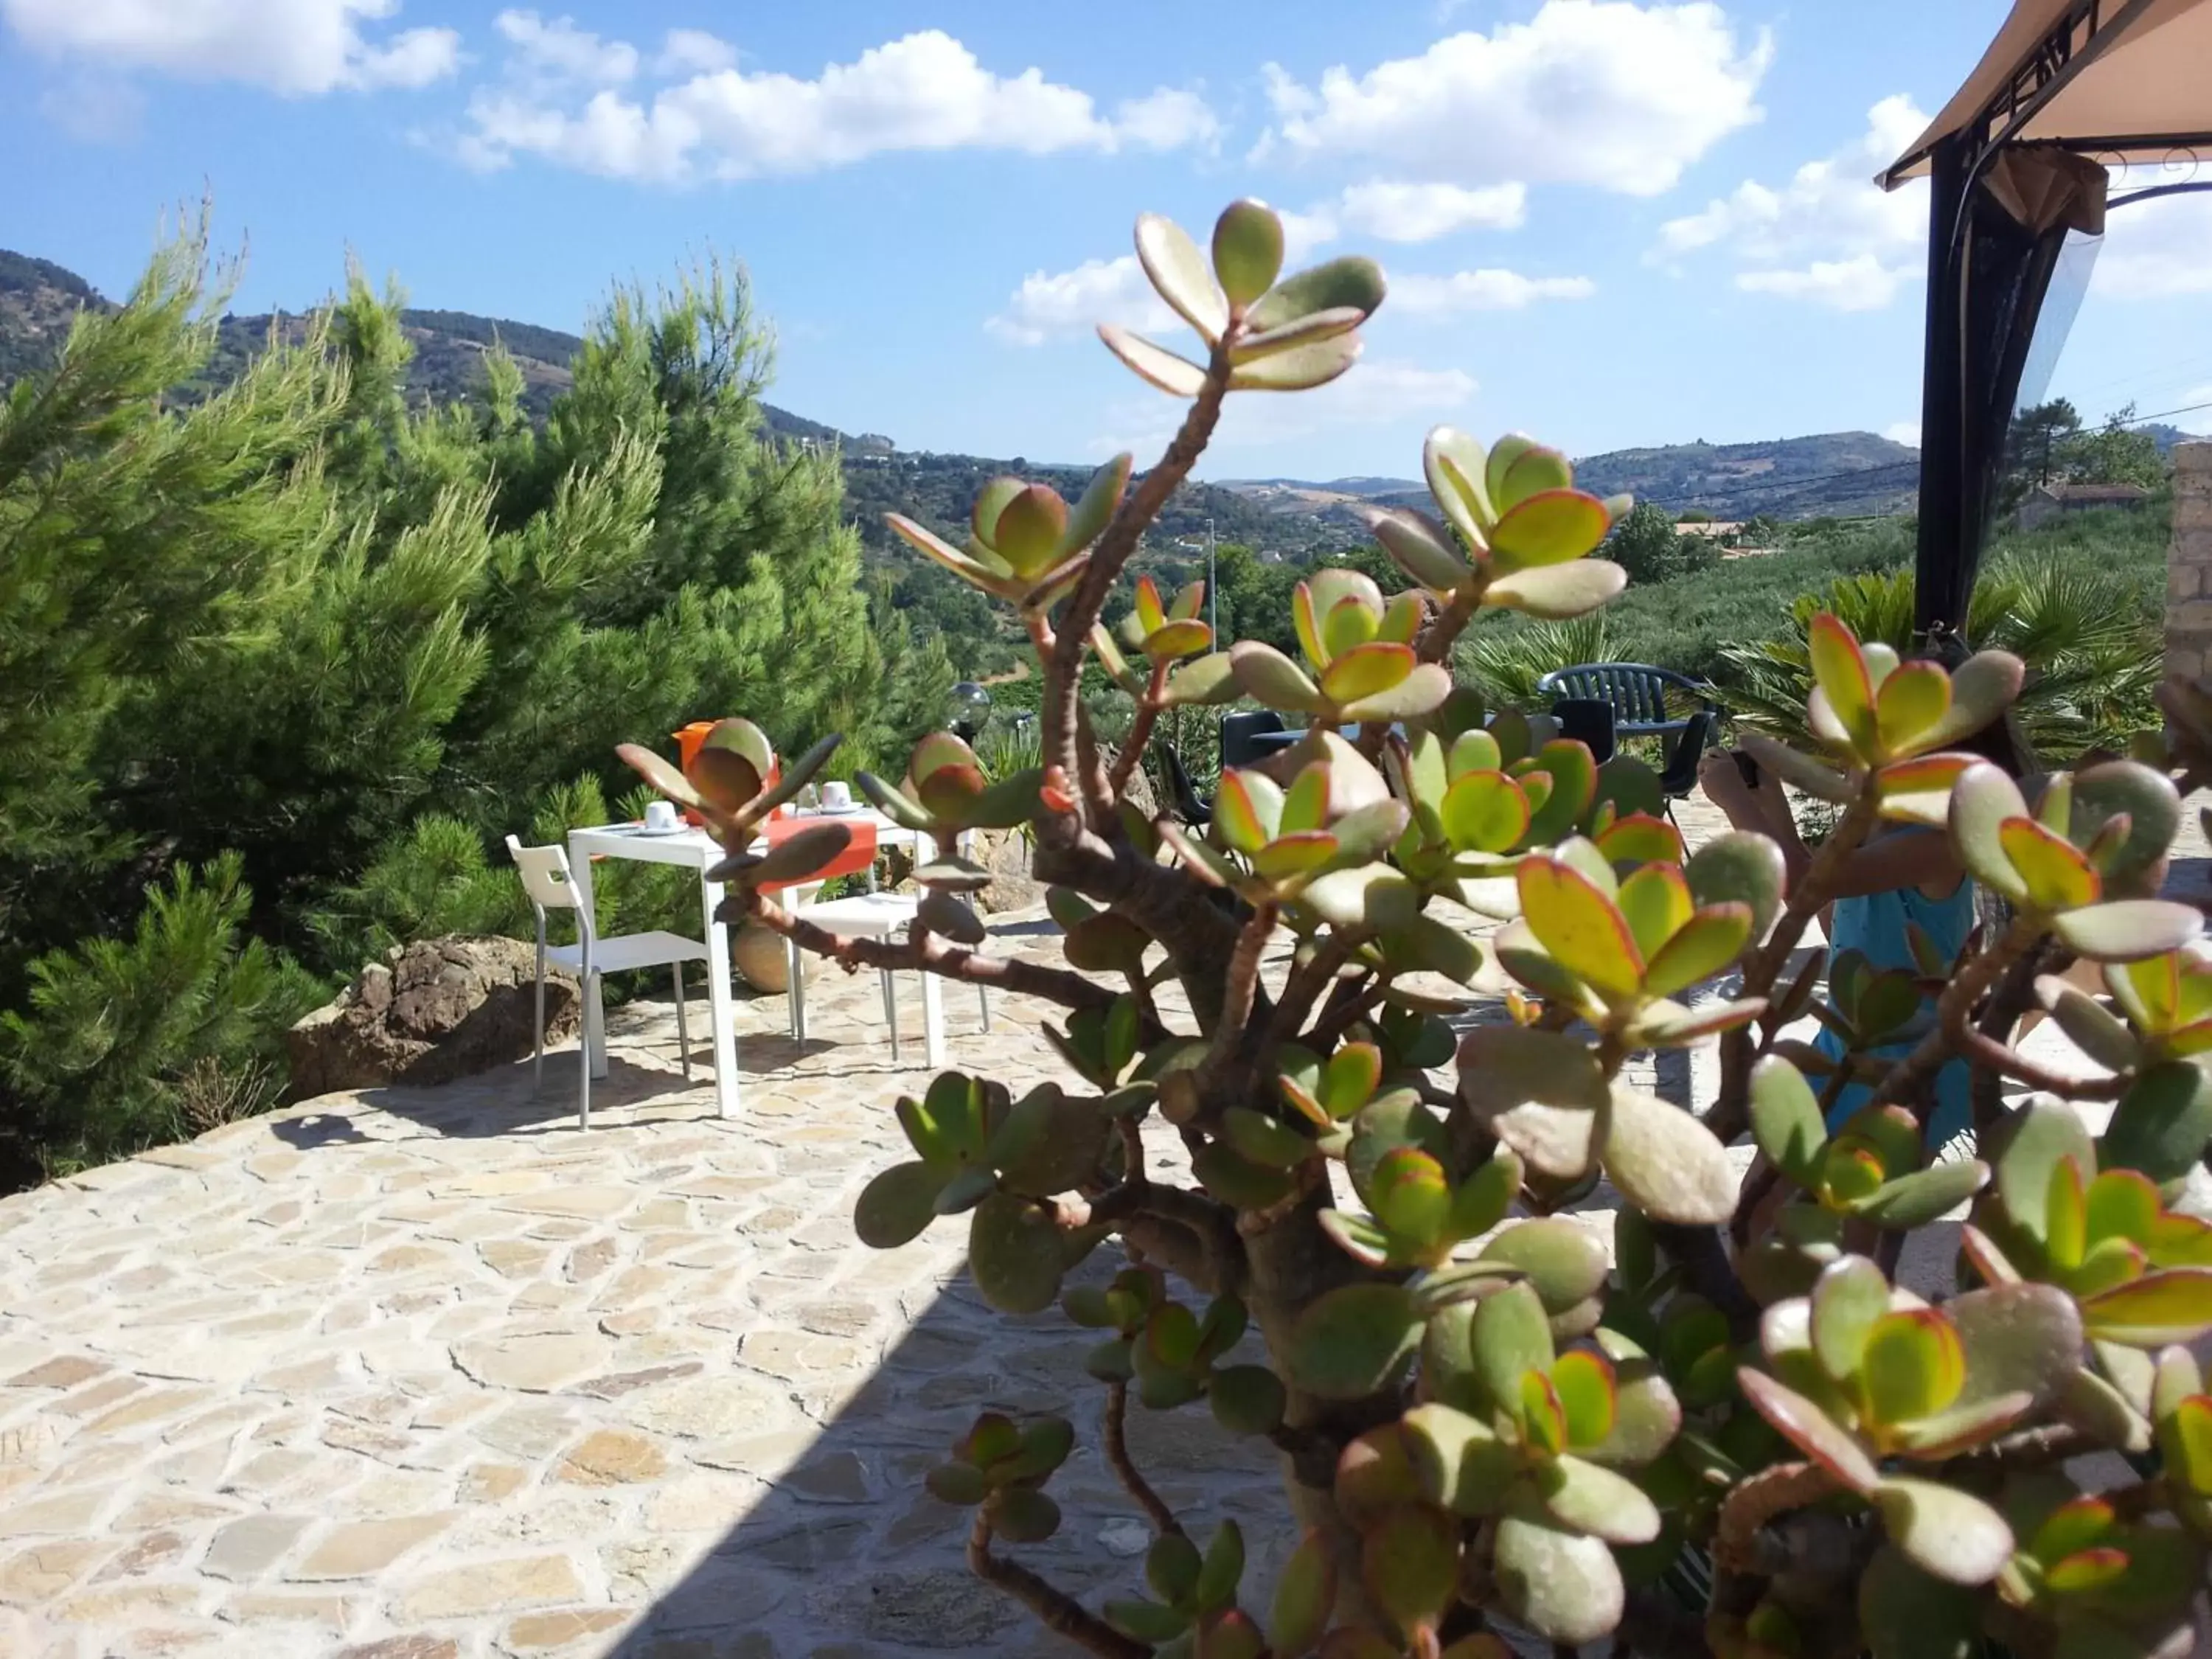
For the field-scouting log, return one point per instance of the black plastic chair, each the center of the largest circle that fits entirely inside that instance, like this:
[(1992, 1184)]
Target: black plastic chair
[(1193, 808), (1680, 776), (1589, 720), (1237, 731), (1636, 691)]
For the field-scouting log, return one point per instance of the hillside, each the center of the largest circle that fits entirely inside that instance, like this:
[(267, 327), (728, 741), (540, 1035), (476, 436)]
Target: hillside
[(1840, 474), (38, 298)]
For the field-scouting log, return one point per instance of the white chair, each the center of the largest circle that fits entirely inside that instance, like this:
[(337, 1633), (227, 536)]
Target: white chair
[(546, 877), (875, 916)]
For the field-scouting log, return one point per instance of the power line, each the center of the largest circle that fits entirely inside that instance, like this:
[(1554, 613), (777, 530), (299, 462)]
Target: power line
[(2160, 415)]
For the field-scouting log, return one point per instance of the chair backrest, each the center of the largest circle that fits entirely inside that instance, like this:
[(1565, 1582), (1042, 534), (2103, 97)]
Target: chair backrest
[(1637, 690), (1681, 773), (1238, 730), (545, 875), (1194, 810), (1589, 721)]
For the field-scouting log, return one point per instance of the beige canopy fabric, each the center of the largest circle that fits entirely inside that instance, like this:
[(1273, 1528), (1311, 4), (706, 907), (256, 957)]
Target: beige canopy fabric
[(2132, 86)]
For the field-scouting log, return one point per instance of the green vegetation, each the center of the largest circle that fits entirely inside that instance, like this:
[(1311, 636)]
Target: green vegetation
[(2080, 599), (1648, 546), (300, 650), (1725, 1430)]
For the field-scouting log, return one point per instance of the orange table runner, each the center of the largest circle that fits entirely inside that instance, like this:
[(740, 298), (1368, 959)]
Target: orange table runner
[(860, 853)]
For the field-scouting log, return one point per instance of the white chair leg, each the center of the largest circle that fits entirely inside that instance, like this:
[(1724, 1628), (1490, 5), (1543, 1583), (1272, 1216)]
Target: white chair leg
[(798, 983), (683, 1031), (891, 1009), (590, 986), (537, 1032), (983, 996)]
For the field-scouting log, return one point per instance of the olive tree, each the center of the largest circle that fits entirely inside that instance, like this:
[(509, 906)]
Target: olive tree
[(1486, 1419)]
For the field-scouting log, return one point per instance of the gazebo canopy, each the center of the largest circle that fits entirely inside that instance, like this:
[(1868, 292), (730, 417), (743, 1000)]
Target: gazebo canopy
[(2117, 81), (2018, 161)]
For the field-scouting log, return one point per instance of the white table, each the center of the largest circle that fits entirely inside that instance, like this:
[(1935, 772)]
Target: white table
[(700, 851)]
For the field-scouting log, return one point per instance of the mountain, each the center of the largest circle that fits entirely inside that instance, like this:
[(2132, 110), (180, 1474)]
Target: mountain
[(38, 299), (1839, 473), (2166, 436)]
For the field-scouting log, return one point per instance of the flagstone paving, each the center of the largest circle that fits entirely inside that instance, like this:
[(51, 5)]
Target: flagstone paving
[(432, 1374)]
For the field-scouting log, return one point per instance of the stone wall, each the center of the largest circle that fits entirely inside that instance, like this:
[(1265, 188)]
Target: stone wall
[(2189, 563)]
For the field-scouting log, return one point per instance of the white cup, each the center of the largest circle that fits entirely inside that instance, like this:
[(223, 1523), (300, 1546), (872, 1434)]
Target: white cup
[(661, 815), (836, 796)]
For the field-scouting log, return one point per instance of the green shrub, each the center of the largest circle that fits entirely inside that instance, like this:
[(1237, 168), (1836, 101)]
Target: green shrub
[(119, 1035)]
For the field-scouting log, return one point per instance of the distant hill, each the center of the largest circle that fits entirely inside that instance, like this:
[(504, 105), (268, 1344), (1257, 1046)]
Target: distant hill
[(1839, 473), (2166, 436), (38, 298)]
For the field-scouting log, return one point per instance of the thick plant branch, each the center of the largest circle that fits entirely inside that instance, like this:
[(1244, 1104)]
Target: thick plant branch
[(1243, 983), (1166, 901), (1132, 753), (1056, 1610), (1211, 1223), (1730, 1115), (1307, 983), (1113, 549), (1754, 1502), (1114, 1438), (931, 953), (2030, 1448), (1987, 1052), (2014, 997)]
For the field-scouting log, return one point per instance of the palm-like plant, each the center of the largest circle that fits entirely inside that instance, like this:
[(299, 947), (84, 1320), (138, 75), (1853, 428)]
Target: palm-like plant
[(1504, 663), (2093, 655)]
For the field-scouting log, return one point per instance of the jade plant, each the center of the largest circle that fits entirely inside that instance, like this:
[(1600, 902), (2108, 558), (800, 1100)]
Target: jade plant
[(1355, 1071)]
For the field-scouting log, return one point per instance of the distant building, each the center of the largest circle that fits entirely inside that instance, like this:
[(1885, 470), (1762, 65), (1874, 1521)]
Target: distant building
[(1711, 529), (2048, 501)]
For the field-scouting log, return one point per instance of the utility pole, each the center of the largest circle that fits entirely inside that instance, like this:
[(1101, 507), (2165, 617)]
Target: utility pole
[(1213, 589)]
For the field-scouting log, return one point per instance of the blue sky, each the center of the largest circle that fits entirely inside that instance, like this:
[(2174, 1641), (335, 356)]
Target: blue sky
[(1605, 223)]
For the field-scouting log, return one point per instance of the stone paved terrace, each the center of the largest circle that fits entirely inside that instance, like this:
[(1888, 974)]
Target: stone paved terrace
[(431, 1375)]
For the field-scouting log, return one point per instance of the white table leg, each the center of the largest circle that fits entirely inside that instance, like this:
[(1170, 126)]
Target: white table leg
[(933, 1019), (719, 1007), (595, 1013), (933, 987)]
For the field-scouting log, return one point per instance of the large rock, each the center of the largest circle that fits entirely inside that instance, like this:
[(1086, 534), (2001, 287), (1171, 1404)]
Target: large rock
[(434, 1011), (1006, 854)]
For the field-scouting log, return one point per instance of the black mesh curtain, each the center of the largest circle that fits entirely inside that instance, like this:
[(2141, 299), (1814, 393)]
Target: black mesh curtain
[(1986, 286)]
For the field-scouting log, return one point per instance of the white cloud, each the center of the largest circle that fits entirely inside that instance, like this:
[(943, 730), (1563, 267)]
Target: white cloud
[(1829, 234), (1480, 290), (1303, 233), (1061, 305), (694, 51), (1902, 432), (923, 92), (1422, 212), (1168, 119), (1392, 211), (295, 47), (561, 51), (1608, 92), (2155, 250), (1860, 284), (1827, 204)]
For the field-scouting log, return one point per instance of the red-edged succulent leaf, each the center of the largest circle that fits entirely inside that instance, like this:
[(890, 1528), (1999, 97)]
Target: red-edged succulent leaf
[(1578, 925), (1809, 1429)]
